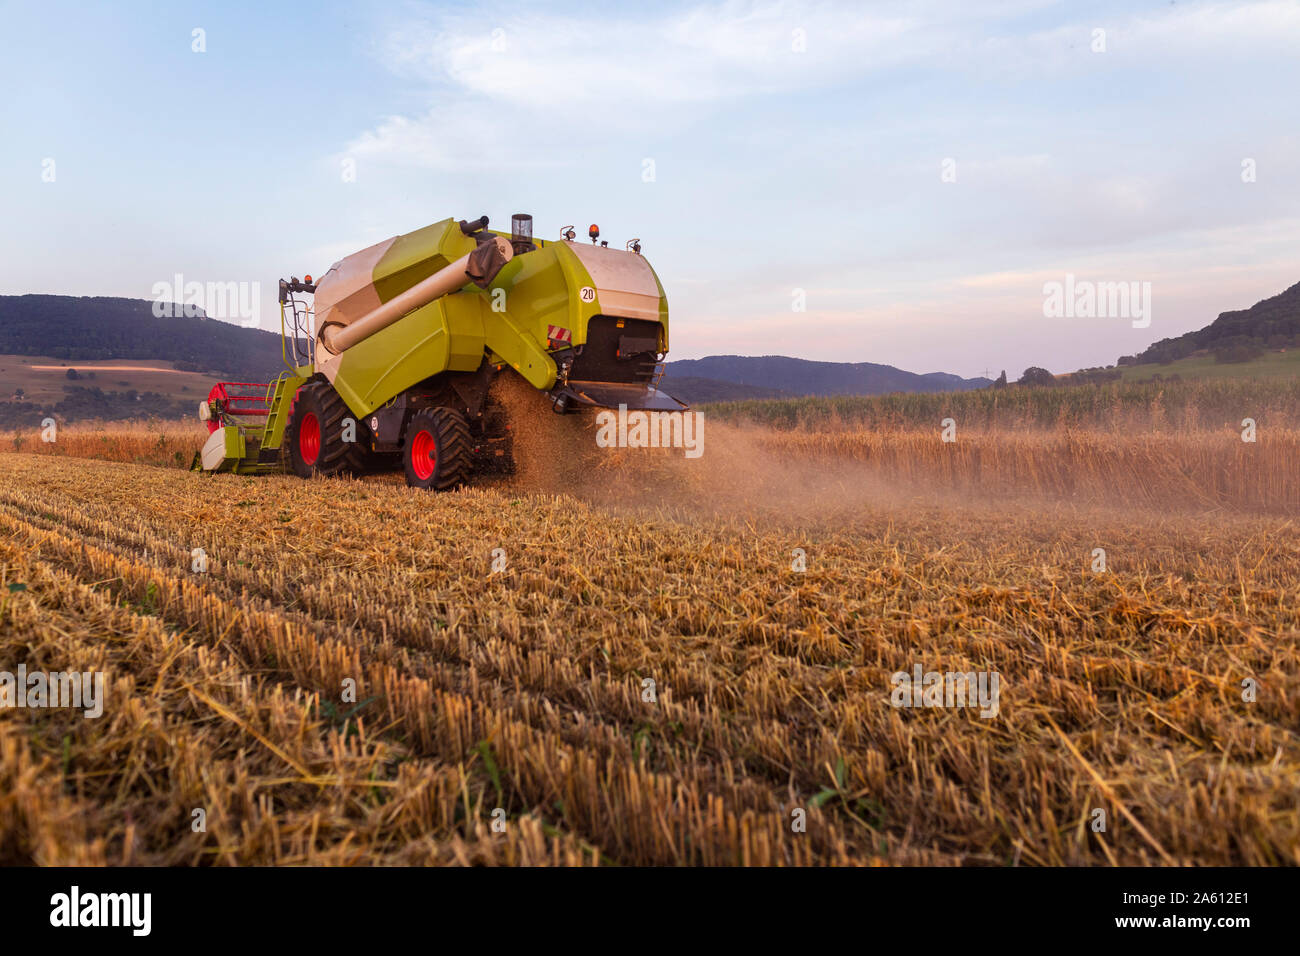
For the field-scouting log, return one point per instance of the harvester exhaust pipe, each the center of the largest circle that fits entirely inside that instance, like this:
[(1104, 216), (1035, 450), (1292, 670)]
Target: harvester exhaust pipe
[(480, 266)]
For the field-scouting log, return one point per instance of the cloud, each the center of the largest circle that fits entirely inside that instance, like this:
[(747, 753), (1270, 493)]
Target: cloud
[(490, 69), (509, 82), (710, 52)]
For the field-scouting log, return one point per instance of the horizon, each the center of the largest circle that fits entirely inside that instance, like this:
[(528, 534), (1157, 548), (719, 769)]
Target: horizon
[(966, 157), (986, 374)]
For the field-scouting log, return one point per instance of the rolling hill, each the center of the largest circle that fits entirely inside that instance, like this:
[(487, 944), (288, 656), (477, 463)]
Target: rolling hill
[(71, 329), (794, 376), (1272, 364), (1270, 324), (695, 390)]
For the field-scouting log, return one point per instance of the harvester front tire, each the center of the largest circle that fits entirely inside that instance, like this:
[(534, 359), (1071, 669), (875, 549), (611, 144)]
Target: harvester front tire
[(315, 432), (436, 453)]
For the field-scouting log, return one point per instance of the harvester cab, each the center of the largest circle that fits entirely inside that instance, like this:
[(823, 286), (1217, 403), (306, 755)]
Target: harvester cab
[(394, 360)]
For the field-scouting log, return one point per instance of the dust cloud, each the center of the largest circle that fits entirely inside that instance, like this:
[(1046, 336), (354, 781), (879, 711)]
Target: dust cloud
[(736, 475)]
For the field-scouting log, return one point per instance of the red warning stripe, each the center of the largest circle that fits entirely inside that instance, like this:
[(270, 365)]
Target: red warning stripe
[(557, 334)]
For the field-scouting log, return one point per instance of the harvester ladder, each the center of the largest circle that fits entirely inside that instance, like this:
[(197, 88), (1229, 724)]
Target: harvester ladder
[(279, 413)]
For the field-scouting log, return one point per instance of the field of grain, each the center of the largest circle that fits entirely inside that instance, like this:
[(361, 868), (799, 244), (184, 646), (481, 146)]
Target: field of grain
[(620, 662), (1135, 408), (165, 443)]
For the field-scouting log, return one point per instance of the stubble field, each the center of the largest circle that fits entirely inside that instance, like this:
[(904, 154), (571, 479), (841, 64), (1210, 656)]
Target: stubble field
[(648, 679)]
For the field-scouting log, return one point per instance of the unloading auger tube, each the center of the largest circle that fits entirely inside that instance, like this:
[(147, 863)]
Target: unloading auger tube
[(479, 266), (409, 335)]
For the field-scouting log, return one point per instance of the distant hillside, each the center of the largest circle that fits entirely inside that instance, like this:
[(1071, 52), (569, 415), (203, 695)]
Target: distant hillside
[(803, 377), (693, 390), (72, 327), (1236, 336), (1283, 364)]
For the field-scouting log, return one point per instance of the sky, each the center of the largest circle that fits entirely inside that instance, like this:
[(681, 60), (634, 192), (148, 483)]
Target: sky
[(893, 182)]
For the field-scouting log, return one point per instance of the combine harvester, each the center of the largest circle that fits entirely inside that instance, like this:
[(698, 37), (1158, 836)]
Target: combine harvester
[(405, 339)]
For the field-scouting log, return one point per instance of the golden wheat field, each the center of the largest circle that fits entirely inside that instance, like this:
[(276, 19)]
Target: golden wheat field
[(649, 679)]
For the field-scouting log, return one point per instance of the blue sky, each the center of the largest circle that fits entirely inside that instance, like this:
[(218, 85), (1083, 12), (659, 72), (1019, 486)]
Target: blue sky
[(775, 168)]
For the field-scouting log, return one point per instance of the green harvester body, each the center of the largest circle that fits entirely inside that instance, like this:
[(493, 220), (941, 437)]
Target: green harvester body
[(585, 324)]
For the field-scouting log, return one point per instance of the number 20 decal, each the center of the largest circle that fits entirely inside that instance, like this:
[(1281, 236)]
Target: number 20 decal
[(587, 294)]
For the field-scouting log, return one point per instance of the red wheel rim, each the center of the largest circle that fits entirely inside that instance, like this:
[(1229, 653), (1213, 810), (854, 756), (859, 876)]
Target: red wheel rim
[(424, 455), (309, 438)]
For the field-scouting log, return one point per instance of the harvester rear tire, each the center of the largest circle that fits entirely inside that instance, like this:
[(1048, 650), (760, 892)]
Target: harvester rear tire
[(437, 450), (315, 432)]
